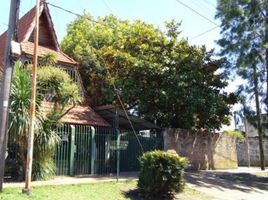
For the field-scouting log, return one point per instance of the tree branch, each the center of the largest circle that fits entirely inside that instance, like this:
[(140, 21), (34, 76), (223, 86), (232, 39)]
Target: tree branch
[(66, 112)]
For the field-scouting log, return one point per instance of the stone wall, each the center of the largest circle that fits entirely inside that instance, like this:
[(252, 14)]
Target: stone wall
[(253, 151), (204, 150)]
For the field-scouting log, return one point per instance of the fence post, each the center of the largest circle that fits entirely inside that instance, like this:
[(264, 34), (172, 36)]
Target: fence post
[(118, 154), (93, 149), (72, 150), (117, 144)]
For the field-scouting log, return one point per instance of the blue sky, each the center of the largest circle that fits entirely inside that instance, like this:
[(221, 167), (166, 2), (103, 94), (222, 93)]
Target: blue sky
[(151, 11)]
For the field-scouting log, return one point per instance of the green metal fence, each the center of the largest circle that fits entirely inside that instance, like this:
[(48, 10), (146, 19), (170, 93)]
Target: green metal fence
[(90, 150)]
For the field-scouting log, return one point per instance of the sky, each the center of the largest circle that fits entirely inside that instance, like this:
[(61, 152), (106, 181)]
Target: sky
[(196, 16), (152, 11)]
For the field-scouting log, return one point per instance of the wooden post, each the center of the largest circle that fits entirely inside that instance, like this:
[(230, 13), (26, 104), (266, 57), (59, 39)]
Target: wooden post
[(29, 160), (6, 84)]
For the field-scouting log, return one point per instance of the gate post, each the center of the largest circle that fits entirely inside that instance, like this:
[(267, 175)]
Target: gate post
[(72, 150), (93, 150)]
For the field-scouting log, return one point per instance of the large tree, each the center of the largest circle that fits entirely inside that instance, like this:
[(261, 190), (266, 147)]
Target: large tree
[(156, 74), (244, 29)]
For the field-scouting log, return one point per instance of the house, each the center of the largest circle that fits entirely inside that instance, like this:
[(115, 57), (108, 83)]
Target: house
[(48, 44), (86, 138)]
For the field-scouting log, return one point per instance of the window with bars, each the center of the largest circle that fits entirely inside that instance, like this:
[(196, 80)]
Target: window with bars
[(72, 71)]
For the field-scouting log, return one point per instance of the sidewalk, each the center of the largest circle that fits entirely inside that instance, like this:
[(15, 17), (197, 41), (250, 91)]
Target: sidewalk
[(238, 184), (67, 180)]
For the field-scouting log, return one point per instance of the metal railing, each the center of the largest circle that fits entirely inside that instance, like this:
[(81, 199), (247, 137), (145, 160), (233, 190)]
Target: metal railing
[(87, 150)]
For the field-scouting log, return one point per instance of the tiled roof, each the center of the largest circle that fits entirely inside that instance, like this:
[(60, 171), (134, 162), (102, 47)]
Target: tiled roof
[(24, 24), (28, 49), (80, 114), (25, 28)]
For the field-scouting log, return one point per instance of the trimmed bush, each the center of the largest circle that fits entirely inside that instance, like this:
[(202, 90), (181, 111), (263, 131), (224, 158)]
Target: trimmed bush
[(161, 173)]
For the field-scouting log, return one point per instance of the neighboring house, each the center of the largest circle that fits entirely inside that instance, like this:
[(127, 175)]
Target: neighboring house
[(87, 139)]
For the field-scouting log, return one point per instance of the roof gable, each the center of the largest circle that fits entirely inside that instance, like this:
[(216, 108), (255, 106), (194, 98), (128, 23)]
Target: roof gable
[(47, 36)]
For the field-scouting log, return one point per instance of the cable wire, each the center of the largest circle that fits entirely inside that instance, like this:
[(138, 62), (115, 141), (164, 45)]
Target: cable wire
[(198, 13), (107, 6), (76, 14), (205, 32), (123, 107)]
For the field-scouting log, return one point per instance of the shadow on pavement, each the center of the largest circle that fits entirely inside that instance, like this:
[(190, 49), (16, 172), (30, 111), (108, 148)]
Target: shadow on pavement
[(244, 182)]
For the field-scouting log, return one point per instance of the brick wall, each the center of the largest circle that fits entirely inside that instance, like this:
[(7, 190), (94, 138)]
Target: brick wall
[(204, 150)]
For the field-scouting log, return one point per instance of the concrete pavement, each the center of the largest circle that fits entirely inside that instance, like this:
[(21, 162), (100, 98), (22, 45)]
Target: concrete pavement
[(238, 184)]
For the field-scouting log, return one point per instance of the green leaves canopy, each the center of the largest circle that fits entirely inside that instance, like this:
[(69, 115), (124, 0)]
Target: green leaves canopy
[(158, 76), (244, 29)]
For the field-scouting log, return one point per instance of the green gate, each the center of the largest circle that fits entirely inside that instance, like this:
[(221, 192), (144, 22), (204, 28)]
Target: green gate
[(129, 157), (87, 150), (73, 154)]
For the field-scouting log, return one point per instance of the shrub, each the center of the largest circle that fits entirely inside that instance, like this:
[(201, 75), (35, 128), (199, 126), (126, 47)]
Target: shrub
[(161, 173), (238, 134)]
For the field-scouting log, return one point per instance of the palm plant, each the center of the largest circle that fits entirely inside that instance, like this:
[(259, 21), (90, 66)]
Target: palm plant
[(64, 91)]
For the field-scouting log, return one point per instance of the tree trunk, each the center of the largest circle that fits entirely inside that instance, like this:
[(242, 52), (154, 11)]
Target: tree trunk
[(258, 111), (266, 64), (266, 53)]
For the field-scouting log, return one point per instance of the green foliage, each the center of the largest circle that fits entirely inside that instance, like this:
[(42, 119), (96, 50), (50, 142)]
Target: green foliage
[(161, 173), (52, 81), (161, 77), (244, 38), (244, 27), (48, 59), (238, 134)]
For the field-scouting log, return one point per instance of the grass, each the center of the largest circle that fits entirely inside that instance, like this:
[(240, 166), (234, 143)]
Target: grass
[(98, 191)]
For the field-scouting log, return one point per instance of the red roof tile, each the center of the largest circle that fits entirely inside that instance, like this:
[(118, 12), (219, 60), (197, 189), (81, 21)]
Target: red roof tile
[(80, 114), (24, 25), (28, 49), (25, 29)]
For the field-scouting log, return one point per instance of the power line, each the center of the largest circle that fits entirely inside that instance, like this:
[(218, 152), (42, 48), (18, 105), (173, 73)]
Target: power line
[(76, 14), (205, 32), (61, 8), (92, 20), (198, 13), (204, 6), (107, 6)]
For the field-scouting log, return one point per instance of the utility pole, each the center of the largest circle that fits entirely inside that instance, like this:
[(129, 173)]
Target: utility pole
[(6, 84), (29, 160)]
